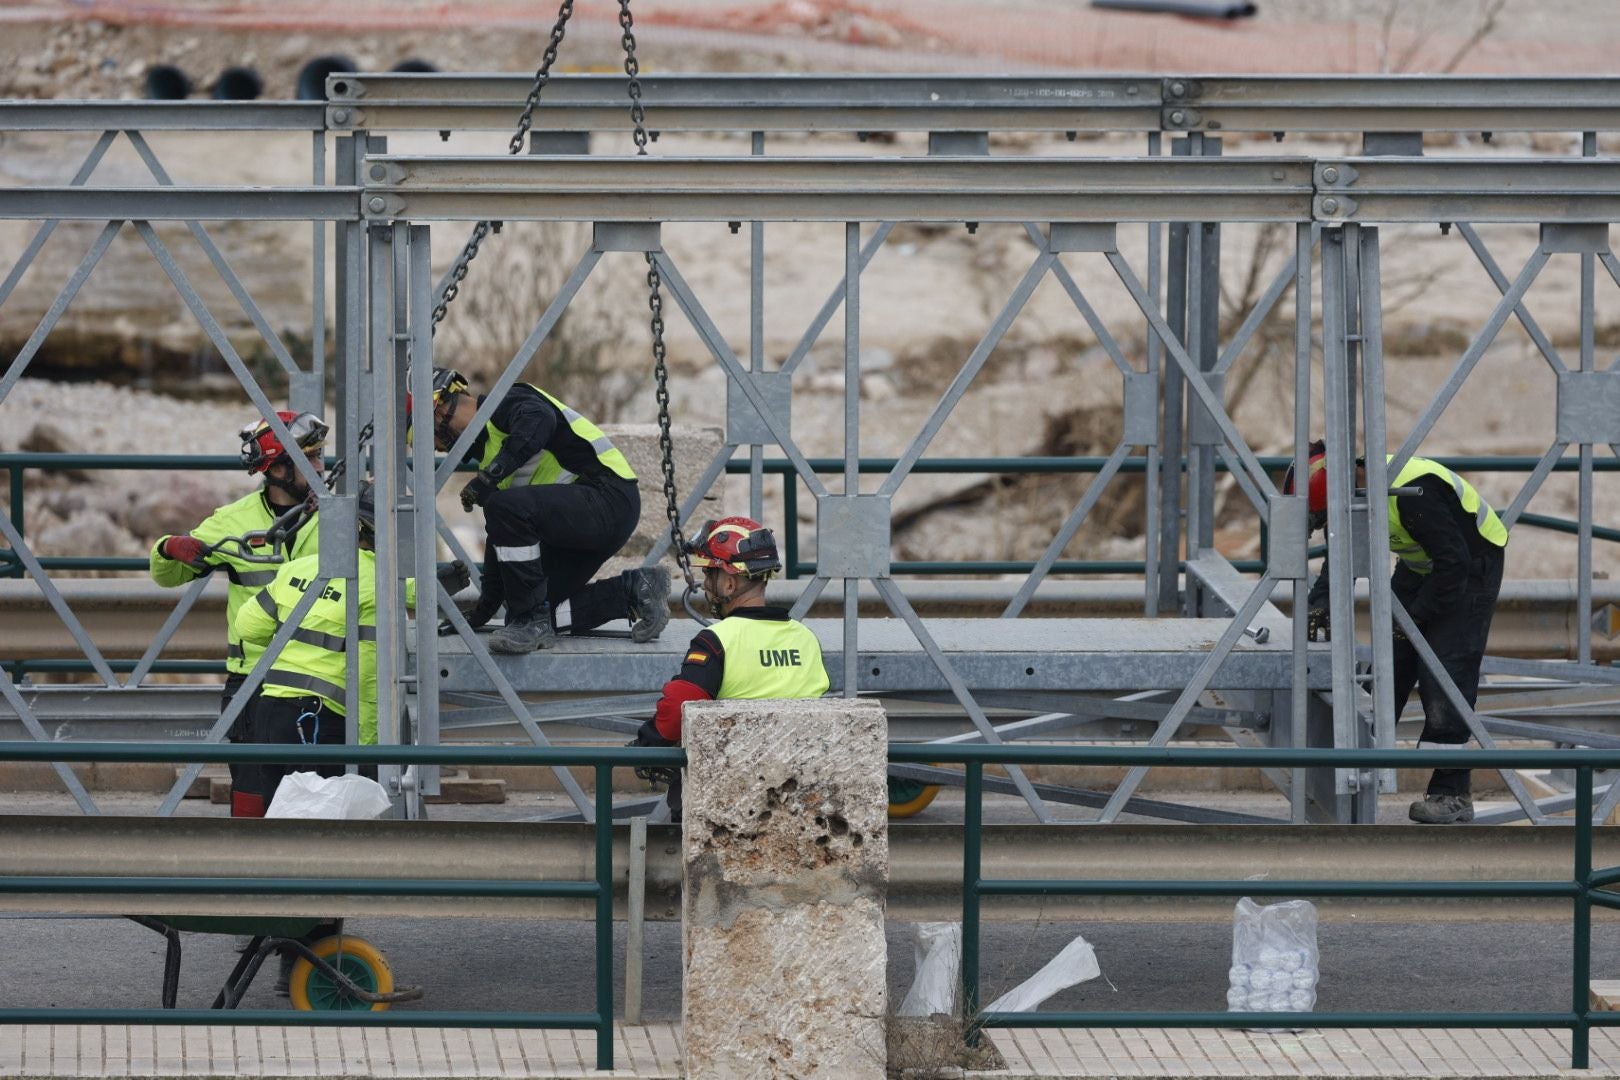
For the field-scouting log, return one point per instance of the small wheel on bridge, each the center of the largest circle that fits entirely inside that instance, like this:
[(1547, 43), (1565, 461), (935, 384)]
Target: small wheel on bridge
[(909, 797), (361, 962)]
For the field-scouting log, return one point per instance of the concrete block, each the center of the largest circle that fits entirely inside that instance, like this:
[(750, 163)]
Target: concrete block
[(202, 786), (695, 447), (785, 839), (458, 787)]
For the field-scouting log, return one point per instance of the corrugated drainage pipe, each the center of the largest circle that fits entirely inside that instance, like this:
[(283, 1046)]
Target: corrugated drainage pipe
[(312, 76), (238, 84), (165, 82)]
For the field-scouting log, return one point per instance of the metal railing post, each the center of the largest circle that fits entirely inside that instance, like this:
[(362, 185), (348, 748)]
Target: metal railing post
[(790, 511), (14, 566), (972, 830), (604, 916), (1580, 1049)]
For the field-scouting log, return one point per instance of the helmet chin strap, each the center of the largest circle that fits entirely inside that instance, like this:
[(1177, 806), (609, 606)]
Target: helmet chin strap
[(287, 485), (443, 435)]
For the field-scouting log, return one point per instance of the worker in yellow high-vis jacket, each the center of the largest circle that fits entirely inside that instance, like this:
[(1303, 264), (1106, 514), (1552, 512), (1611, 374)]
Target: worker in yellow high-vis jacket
[(302, 697), (179, 559), (1449, 547), (754, 651)]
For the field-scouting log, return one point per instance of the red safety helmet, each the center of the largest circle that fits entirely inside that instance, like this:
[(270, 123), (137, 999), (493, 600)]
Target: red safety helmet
[(262, 449), (738, 546), (1316, 470)]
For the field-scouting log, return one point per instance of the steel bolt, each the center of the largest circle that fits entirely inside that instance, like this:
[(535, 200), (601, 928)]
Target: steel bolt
[(1178, 117), (1177, 89), (340, 116), (1330, 206), (378, 172), (377, 204), (1330, 174)]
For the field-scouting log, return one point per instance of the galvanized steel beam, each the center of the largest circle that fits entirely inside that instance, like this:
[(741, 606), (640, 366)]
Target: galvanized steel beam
[(1361, 103), (162, 116), (1425, 190), (858, 103), (979, 189), (749, 103), (180, 203)]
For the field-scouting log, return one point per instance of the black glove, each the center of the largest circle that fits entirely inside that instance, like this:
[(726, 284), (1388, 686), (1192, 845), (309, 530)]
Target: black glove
[(648, 735), (1317, 625), (454, 577), (478, 491)]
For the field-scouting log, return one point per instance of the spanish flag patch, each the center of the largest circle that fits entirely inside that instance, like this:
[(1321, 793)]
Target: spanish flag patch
[(695, 657)]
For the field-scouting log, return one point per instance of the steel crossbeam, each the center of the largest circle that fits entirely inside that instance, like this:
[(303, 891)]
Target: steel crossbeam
[(575, 188), (161, 116), (860, 103)]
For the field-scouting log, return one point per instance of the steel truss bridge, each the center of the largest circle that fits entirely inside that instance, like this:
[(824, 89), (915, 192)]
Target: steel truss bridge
[(1209, 646)]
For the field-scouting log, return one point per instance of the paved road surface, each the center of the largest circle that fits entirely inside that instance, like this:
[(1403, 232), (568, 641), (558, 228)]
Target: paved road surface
[(100, 963)]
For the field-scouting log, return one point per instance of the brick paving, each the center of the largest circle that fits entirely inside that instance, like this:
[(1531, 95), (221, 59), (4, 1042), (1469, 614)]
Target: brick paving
[(653, 1051)]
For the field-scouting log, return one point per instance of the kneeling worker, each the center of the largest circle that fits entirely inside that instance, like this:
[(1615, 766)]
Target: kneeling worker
[(559, 500), (301, 698), (754, 651), (1450, 547)]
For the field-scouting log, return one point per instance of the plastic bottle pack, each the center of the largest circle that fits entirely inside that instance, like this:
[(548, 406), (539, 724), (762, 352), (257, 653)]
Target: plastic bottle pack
[(1274, 957)]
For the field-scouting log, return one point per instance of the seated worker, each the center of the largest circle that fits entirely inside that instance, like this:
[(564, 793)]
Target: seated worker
[(559, 501), (301, 698), (1449, 546), (177, 560), (754, 651)]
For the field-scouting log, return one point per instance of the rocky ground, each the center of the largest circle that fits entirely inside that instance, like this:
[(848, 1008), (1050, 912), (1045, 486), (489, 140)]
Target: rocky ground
[(127, 370)]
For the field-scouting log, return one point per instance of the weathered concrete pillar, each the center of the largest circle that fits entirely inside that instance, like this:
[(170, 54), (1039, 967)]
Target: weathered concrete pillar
[(787, 865)]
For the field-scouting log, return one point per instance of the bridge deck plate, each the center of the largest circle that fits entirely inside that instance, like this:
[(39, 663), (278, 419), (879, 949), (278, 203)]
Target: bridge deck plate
[(989, 654)]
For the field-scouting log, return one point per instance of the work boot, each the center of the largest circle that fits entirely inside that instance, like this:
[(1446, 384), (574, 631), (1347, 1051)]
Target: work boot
[(525, 634), (1442, 810), (649, 604)]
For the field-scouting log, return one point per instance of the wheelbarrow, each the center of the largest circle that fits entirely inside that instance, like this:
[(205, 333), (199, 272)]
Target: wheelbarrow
[(336, 973)]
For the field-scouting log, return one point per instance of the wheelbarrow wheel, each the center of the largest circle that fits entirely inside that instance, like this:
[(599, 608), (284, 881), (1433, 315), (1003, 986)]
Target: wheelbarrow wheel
[(909, 797), (359, 961)]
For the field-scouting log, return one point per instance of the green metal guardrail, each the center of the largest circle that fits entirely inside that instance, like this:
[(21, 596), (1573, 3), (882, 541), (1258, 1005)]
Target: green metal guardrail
[(1585, 887), (1029, 466), (15, 464), (600, 887)]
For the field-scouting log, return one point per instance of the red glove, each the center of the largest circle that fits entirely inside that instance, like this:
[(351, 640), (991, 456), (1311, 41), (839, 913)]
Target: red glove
[(186, 549)]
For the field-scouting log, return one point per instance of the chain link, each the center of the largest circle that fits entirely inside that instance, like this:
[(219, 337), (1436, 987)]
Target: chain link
[(632, 69), (481, 231), (666, 446), (655, 302)]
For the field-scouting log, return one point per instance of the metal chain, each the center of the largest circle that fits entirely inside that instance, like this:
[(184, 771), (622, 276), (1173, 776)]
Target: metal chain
[(632, 69), (666, 446), (481, 231), (655, 302)]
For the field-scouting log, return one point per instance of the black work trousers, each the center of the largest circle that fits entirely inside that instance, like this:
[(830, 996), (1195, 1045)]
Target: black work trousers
[(549, 540), (1457, 637), (282, 720)]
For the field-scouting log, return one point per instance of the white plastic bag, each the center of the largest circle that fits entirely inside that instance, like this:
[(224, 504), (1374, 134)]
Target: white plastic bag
[(937, 948), (311, 795), (1075, 964), (1275, 963)]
